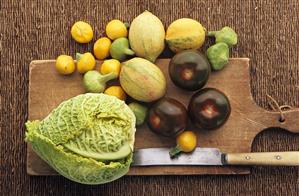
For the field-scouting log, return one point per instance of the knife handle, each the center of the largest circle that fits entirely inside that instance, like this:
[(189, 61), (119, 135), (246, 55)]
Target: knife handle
[(263, 158)]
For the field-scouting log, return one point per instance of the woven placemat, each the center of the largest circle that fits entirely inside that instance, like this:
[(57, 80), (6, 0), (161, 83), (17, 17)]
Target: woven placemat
[(268, 35)]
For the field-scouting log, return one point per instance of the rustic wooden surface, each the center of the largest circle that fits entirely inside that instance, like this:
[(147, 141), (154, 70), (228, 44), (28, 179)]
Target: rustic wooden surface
[(47, 89), (268, 35)]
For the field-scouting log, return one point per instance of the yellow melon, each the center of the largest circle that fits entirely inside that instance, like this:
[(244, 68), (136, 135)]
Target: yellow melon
[(185, 33)]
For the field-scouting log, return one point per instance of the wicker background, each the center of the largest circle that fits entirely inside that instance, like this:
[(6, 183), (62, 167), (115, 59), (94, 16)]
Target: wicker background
[(268, 34)]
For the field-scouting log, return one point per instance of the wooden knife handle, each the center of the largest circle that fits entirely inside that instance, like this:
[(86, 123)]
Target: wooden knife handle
[(263, 158)]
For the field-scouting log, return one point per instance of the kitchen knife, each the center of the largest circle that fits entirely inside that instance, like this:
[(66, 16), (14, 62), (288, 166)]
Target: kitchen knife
[(213, 156)]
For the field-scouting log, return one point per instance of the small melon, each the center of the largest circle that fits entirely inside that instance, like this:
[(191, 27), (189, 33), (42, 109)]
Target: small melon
[(142, 80), (185, 33), (146, 36)]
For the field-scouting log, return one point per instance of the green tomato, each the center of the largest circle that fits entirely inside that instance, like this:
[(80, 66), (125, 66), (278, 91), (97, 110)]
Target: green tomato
[(140, 112), (218, 55)]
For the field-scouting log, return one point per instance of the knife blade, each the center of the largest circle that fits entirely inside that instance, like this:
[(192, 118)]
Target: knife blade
[(160, 156), (213, 156)]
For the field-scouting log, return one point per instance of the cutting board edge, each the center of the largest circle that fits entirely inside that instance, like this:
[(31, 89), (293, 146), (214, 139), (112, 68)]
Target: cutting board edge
[(53, 60), (245, 171)]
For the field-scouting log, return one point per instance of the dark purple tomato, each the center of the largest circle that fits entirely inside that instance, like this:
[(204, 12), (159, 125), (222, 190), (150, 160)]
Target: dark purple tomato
[(189, 70), (209, 108), (167, 117)]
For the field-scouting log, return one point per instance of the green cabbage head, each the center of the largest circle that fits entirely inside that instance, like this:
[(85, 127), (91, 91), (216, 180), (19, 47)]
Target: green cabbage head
[(88, 138)]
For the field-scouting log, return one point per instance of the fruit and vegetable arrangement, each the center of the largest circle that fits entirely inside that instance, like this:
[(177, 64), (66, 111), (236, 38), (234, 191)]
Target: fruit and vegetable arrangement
[(90, 138)]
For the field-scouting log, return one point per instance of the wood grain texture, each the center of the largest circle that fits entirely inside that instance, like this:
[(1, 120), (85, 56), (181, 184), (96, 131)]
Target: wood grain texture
[(47, 89), (263, 158), (268, 35)]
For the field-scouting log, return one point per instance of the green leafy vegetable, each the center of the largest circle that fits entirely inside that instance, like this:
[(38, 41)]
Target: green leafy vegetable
[(226, 35), (88, 139), (218, 55)]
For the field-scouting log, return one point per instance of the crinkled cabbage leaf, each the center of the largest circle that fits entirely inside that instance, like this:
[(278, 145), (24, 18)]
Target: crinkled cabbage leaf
[(88, 138)]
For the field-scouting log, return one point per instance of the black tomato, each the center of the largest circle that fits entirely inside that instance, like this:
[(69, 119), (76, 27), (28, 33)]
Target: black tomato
[(189, 70), (209, 108), (167, 117)]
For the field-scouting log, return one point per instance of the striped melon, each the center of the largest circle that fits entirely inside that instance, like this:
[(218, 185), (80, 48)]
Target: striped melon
[(142, 80), (146, 36)]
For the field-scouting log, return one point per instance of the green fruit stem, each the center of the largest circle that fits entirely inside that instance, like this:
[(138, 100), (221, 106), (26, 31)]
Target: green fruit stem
[(151, 59), (105, 78), (127, 25), (78, 56), (175, 151), (212, 33), (128, 51)]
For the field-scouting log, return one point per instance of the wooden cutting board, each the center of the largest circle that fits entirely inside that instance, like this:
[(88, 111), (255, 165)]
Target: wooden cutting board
[(47, 89)]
